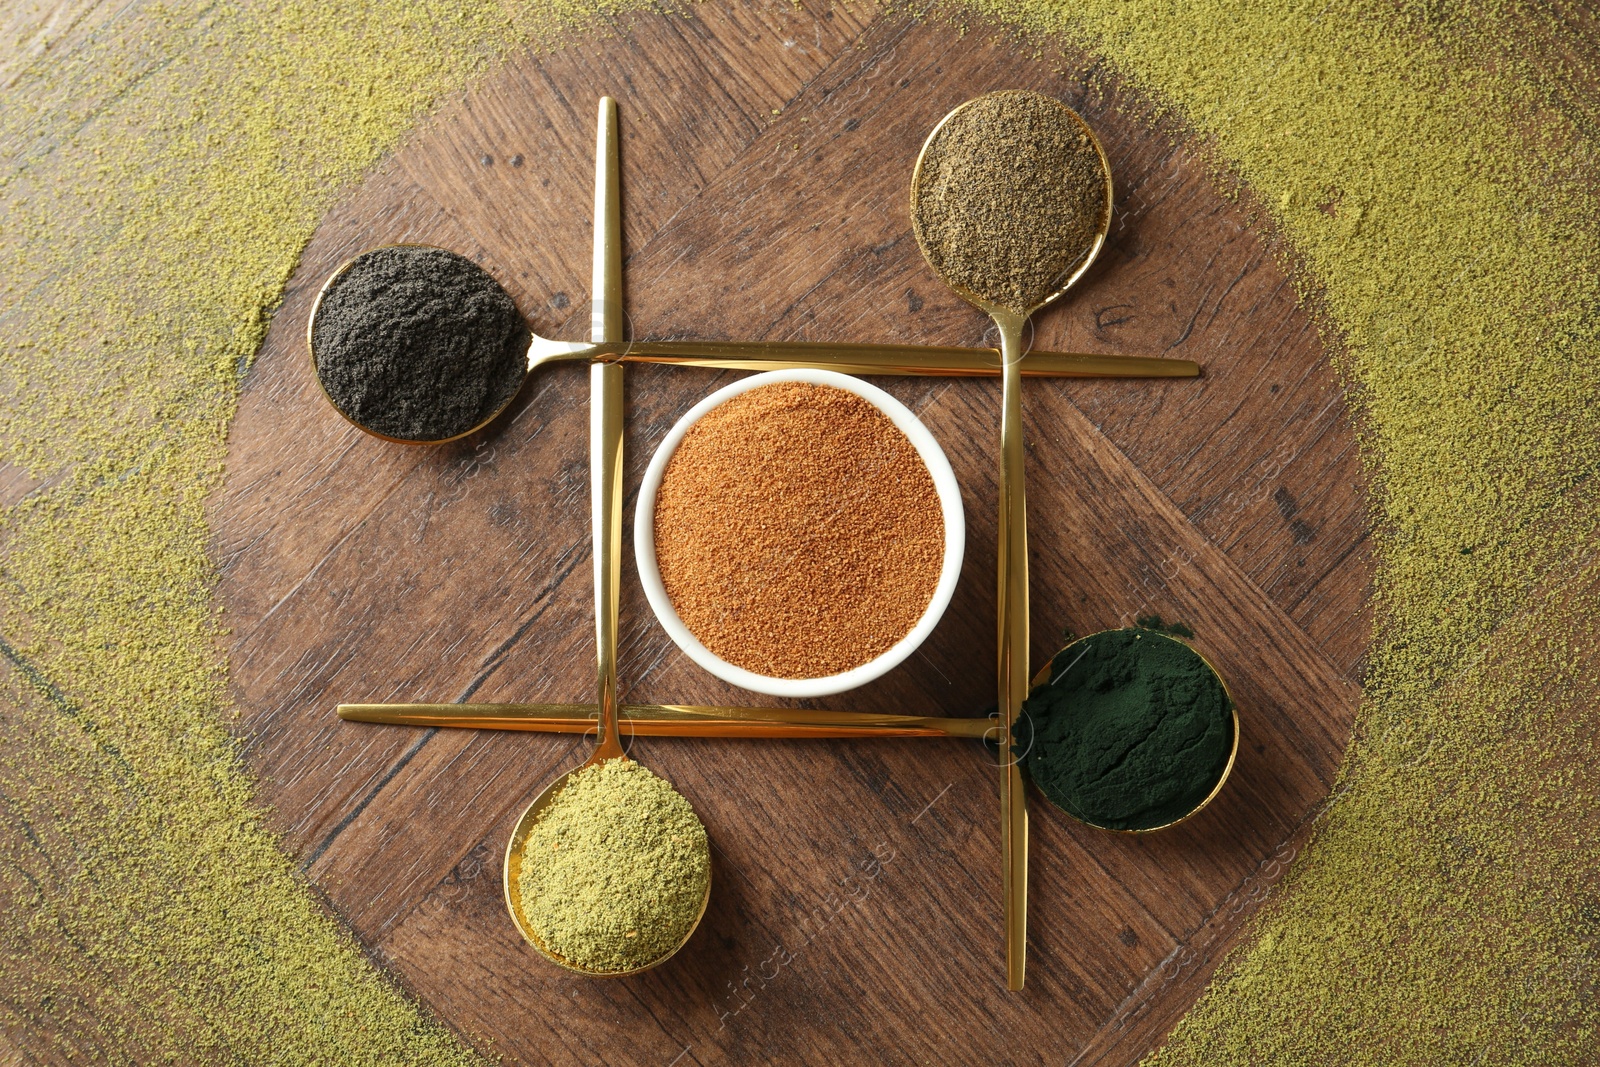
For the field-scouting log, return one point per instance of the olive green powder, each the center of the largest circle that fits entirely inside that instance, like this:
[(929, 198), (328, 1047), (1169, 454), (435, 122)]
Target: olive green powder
[(1010, 198), (615, 870), (161, 167), (1133, 730)]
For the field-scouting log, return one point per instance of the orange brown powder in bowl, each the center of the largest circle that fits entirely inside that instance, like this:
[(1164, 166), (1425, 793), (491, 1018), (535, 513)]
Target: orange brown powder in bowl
[(797, 531)]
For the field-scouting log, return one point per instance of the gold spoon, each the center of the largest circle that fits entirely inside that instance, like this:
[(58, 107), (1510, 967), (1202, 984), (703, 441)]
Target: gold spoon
[(930, 360), (605, 471), (992, 205), (723, 721), (672, 720)]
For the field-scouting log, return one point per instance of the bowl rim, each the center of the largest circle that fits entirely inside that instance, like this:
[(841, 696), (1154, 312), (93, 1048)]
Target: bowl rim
[(944, 483)]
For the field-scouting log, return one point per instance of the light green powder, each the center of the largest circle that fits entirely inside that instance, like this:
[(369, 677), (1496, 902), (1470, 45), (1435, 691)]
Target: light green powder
[(161, 166), (615, 870)]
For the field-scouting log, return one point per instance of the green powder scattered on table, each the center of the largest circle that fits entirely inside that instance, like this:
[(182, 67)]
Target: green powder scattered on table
[(1132, 732), (161, 167), (615, 871)]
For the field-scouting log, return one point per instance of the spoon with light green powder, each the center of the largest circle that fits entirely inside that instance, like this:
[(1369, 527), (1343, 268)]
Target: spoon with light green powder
[(614, 872), (1010, 202), (609, 869)]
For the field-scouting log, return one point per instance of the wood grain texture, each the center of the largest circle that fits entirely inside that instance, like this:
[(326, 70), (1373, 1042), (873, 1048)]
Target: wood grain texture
[(856, 915)]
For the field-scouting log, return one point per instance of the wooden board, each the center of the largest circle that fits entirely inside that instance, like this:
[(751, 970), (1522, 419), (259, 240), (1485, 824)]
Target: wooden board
[(856, 912)]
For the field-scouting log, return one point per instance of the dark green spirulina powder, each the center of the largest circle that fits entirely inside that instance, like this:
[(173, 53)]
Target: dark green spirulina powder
[(418, 343), (1131, 732)]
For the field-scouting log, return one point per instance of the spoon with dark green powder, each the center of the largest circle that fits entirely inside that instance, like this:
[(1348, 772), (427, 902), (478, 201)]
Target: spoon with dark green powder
[(1133, 730)]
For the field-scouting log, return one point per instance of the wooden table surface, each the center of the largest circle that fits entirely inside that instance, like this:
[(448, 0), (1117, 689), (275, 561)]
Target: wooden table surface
[(856, 913)]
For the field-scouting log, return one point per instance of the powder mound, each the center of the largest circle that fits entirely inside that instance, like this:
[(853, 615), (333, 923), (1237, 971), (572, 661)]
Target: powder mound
[(797, 531), (1132, 731), (418, 343), (615, 870), (1010, 197)]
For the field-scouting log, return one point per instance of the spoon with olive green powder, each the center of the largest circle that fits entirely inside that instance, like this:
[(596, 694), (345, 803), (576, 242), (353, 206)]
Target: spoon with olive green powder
[(609, 869), (615, 871), (1010, 202)]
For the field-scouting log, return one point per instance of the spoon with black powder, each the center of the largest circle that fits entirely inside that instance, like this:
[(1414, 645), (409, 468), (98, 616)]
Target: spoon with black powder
[(1010, 202), (417, 344), (421, 345)]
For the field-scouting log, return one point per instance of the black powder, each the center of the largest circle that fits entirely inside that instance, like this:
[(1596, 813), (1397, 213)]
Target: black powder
[(418, 343)]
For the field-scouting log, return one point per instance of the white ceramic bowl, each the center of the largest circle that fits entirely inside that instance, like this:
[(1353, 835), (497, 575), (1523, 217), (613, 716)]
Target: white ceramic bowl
[(955, 539)]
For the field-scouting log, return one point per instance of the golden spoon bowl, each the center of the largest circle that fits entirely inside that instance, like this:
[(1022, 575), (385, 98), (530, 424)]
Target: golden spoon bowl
[(936, 360), (1043, 677), (513, 888)]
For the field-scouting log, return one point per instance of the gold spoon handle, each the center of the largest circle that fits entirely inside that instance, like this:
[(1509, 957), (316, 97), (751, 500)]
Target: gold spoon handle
[(929, 360), (1013, 647), (670, 720), (605, 427), (942, 361)]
